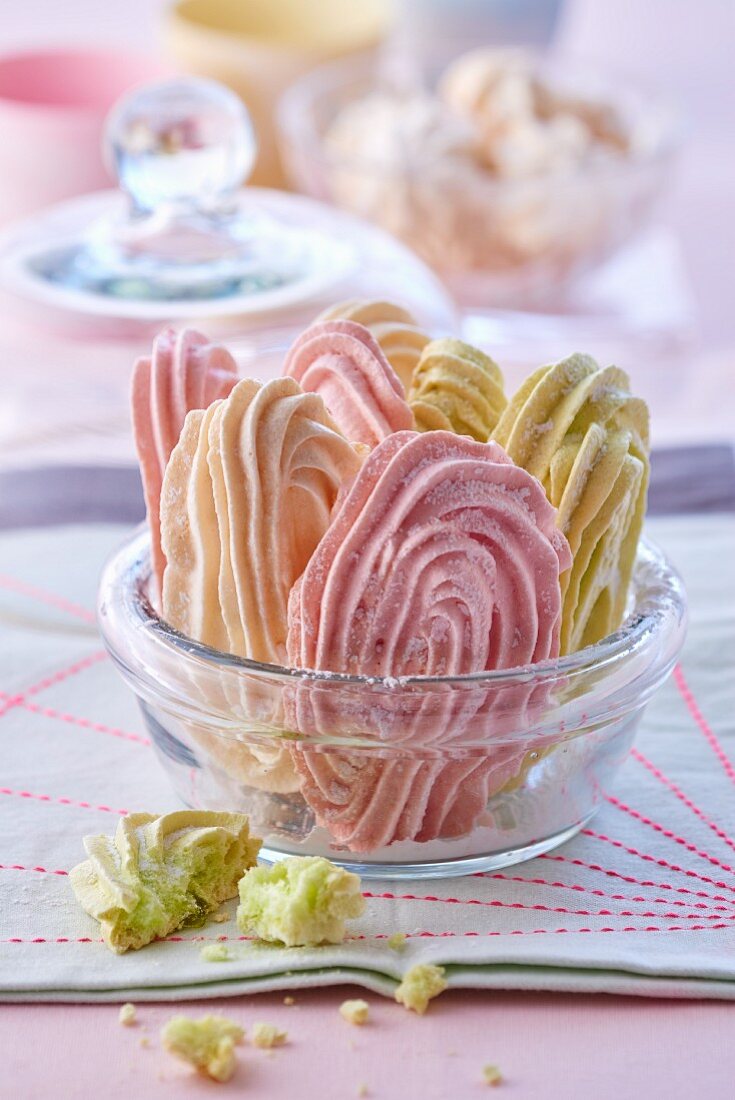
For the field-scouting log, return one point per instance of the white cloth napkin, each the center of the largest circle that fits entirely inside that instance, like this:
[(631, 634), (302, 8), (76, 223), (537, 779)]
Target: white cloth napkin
[(642, 902)]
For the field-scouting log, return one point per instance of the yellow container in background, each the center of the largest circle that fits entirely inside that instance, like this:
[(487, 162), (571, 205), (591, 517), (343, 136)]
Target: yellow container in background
[(259, 47)]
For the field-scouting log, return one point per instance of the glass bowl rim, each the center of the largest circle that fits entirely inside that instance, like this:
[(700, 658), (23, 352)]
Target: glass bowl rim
[(646, 621), (294, 114)]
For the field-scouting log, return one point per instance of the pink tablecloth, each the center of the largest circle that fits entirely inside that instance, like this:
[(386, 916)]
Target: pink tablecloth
[(555, 1047)]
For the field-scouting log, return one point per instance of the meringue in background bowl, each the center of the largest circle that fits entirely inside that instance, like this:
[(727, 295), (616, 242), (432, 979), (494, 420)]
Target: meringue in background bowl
[(510, 175), (410, 777)]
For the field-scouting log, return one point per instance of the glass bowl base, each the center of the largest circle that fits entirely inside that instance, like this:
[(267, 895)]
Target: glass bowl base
[(443, 868)]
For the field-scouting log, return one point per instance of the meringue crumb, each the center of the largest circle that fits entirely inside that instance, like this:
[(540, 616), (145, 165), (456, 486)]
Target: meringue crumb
[(208, 1043), (127, 1014), (492, 1075), (216, 953), (144, 1042), (362, 1089), (301, 901), (267, 1035), (289, 1000), (220, 918), (397, 941), (355, 1012), (420, 984)]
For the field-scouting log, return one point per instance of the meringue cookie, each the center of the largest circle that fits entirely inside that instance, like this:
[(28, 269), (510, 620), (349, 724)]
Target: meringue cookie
[(184, 372), (395, 329), (455, 387), (247, 494), (493, 87), (442, 559), (301, 901), (190, 537), (447, 753), (460, 793), (522, 131), (344, 364), (384, 131), (577, 428), (246, 498), (159, 873)]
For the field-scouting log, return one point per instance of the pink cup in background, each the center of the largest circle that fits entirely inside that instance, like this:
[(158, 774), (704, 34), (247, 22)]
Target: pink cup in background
[(53, 105)]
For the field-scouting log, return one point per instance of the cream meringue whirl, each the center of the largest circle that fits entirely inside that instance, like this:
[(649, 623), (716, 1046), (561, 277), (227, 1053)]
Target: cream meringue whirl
[(247, 496)]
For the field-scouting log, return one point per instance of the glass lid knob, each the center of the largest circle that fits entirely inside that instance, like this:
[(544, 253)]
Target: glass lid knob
[(183, 143)]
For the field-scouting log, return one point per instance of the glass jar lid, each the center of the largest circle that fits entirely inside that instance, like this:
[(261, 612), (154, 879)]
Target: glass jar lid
[(181, 239)]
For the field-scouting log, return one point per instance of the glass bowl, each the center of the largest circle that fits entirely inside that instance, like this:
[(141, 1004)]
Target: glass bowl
[(496, 241), (418, 777)]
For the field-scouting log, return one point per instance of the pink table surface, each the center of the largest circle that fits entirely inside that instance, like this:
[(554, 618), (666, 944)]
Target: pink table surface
[(611, 1048), (547, 1046)]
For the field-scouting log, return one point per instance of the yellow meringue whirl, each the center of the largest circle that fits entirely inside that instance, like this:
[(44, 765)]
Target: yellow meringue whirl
[(577, 428), (394, 328), (456, 387), (158, 874)]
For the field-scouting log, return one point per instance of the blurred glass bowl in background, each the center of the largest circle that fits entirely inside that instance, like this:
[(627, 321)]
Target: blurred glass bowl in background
[(373, 142)]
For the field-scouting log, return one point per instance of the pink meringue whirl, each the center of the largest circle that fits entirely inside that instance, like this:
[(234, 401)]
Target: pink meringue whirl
[(443, 559), (184, 372), (344, 364)]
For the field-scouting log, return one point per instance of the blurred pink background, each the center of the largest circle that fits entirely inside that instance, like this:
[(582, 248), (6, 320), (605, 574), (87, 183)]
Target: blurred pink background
[(683, 49)]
